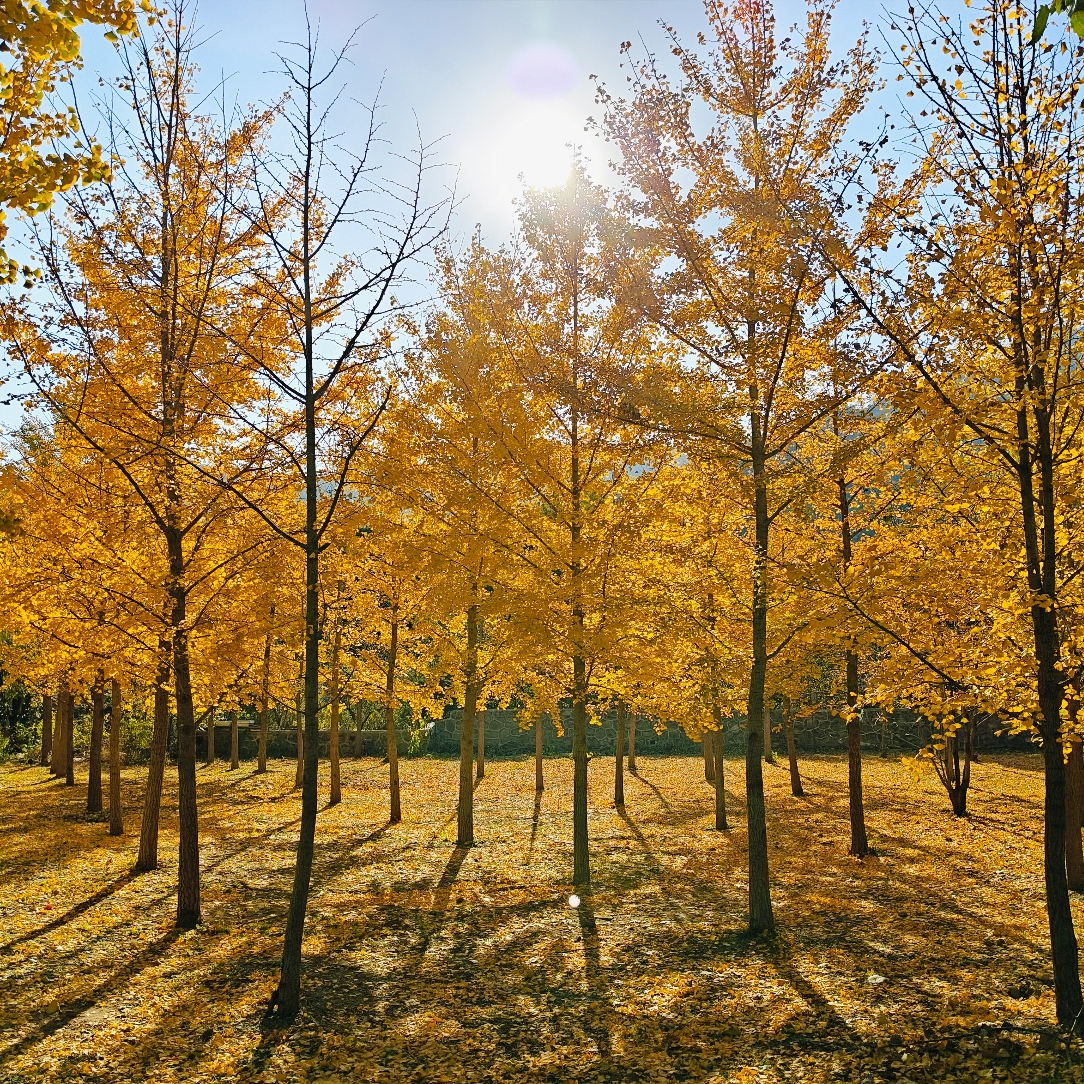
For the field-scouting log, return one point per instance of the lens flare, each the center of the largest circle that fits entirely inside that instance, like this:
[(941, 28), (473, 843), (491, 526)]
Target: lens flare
[(542, 70)]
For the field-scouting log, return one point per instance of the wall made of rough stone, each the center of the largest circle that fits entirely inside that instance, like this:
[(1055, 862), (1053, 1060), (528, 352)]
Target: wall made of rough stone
[(819, 732)]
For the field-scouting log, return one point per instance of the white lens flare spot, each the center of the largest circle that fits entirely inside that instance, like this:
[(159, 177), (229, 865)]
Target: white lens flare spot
[(573, 901), (542, 70)]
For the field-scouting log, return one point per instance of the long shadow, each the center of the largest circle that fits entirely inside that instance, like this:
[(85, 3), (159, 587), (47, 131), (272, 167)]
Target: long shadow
[(73, 913), (651, 786), (451, 870), (817, 1002), (375, 834), (249, 844), (76, 1007), (534, 818), (593, 972), (589, 932), (415, 956), (145, 905), (649, 854)]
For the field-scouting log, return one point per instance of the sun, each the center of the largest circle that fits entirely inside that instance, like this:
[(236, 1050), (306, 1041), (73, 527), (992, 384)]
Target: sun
[(538, 142), (529, 129)]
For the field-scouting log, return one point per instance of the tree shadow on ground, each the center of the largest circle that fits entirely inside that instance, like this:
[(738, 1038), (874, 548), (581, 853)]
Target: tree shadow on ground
[(424, 960), (71, 914)]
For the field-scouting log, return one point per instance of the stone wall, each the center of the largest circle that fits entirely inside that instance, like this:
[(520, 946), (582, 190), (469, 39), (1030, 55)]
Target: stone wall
[(818, 732)]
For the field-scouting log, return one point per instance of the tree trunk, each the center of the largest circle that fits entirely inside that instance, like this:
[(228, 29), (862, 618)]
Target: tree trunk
[(156, 767), (1041, 550), (720, 790), (333, 743), (299, 722), (581, 859), (265, 682), (235, 751), (859, 844), (465, 813), (769, 753), (1063, 942), (538, 780), (1074, 814), (59, 760), (619, 757), (69, 742), (287, 997), (761, 919), (116, 814), (632, 741), (210, 737), (709, 756), (396, 814), (792, 753), (46, 729), (188, 883), (885, 716), (97, 731), (956, 778), (481, 768)]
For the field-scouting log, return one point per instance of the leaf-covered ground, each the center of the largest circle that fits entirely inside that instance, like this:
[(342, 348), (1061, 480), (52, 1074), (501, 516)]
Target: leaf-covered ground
[(425, 962)]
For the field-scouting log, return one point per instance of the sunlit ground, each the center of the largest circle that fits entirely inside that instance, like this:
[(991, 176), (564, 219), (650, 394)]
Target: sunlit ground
[(428, 963)]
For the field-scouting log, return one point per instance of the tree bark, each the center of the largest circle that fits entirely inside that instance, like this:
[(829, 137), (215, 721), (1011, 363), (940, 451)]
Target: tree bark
[(792, 753), (465, 812), (265, 683), (481, 767), (769, 753), (188, 882), (720, 789), (287, 997), (69, 741), (539, 782), (581, 858), (859, 844), (1063, 941), (235, 751), (336, 795), (211, 751), (395, 814), (761, 919), (1074, 814), (299, 722), (59, 760), (709, 756), (97, 731), (957, 779), (116, 813), (152, 799), (46, 729), (619, 757), (1041, 551)]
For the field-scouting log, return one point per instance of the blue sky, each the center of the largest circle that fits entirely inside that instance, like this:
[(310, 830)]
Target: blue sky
[(504, 84)]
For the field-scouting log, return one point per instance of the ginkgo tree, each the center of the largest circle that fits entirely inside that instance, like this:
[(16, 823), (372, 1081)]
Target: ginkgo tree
[(740, 288), (337, 237), (43, 149), (148, 268), (561, 344), (984, 317)]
